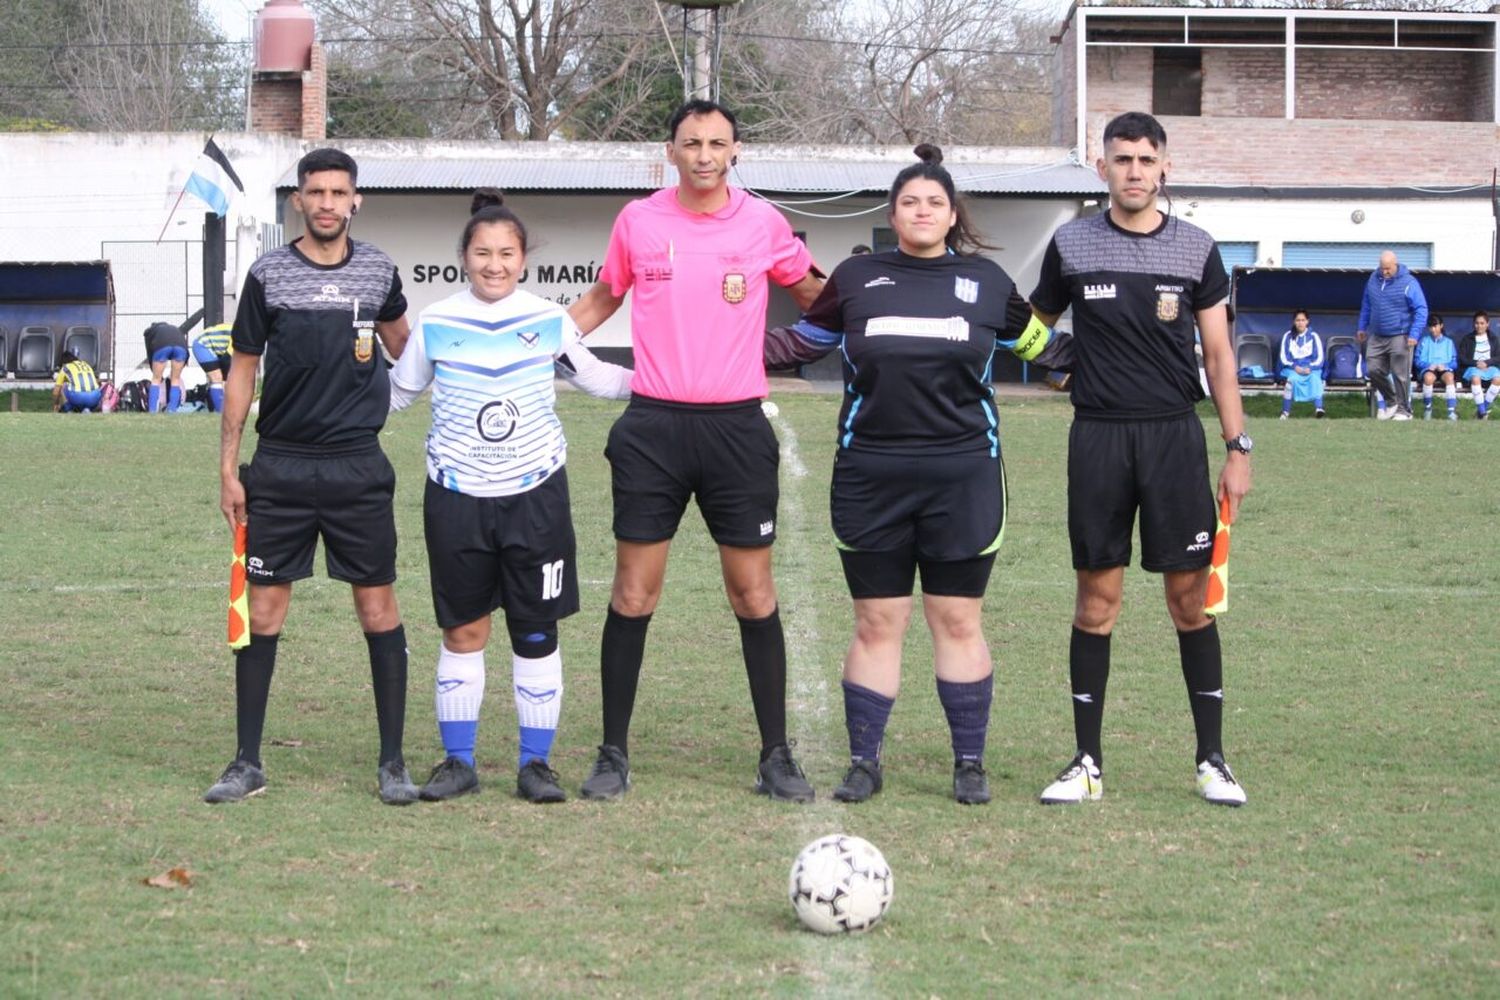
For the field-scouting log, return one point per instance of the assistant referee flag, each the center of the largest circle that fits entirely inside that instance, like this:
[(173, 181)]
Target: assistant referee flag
[(211, 178)]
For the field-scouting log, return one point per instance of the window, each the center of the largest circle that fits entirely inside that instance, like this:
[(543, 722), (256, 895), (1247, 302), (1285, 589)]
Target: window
[(1363, 255), (1177, 82), (1237, 253), (884, 239)]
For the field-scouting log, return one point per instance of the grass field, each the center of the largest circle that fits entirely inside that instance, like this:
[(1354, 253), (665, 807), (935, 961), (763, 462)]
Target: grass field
[(1361, 665)]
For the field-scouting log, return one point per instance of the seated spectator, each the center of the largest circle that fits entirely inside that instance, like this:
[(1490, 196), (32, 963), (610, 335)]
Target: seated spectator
[(1478, 354), (166, 344), (1301, 367), (77, 388), (1436, 360), (212, 351)]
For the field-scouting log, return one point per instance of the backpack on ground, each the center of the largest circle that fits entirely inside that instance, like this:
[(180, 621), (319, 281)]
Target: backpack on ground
[(133, 396)]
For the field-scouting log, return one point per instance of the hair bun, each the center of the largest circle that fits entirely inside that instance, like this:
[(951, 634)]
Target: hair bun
[(486, 197), (928, 153)]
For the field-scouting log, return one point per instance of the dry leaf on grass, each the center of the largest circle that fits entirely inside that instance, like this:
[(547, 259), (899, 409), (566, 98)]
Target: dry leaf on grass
[(172, 878)]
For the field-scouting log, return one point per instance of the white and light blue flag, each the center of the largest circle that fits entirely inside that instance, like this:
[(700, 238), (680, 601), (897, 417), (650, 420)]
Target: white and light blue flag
[(211, 179)]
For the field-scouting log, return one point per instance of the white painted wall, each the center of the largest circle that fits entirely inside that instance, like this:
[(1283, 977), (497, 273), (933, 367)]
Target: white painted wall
[(1461, 230)]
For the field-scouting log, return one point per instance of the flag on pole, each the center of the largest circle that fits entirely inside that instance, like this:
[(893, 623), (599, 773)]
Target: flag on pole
[(239, 602), (1218, 568), (211, 179)]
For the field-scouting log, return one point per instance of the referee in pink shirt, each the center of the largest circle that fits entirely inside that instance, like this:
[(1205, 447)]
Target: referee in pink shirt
[(698, 257)]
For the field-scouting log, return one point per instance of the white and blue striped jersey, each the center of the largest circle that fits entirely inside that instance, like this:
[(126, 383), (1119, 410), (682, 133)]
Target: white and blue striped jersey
[(495, 430)]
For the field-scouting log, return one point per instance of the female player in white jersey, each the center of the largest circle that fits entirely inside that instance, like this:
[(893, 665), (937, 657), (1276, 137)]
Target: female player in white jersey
[(496, 512), (918, 481)]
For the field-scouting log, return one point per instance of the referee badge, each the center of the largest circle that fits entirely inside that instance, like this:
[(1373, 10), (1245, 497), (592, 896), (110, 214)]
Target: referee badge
[(1166, 306), (734, 288), (966, 289)]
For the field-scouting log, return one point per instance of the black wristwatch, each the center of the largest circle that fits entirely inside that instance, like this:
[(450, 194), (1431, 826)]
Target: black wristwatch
[(1240, 443)]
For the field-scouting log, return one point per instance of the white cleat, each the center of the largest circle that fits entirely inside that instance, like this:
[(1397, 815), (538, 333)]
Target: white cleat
[(1079, 781), (1401, 415), (1216, 782)]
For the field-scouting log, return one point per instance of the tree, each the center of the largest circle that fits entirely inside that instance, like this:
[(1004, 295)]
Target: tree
[(512, 69), (120, 65)]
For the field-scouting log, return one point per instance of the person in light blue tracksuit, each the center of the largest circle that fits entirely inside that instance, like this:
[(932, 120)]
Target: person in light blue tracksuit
[(1392, 316), (1302, 360), (1437, 357)]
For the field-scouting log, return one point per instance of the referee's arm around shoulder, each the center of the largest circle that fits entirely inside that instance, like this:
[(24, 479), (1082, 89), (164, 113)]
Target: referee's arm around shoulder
[(594, 306)]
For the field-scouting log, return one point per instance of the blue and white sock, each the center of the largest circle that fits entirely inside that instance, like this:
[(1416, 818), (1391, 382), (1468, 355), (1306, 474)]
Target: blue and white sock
[(1286, 399), (460, 693), (538, 687), (1451, 394), (153, 397), (1427, 397), (174, 399), (216, 398)]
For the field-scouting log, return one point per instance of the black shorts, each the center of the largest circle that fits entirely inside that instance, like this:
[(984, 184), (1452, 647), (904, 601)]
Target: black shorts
[(515, 552), (295, 494), (662, 454), (1157, 466), (893, 514)]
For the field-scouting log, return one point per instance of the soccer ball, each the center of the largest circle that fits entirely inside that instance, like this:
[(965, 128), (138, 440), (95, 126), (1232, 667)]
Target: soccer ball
[(840, 885)]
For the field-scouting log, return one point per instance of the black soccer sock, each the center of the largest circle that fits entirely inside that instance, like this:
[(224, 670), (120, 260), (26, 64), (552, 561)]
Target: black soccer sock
[(764, 646), (967, 706), (621, 652), (1203, 670), (1088, 671), (388, 676), (253, 666)]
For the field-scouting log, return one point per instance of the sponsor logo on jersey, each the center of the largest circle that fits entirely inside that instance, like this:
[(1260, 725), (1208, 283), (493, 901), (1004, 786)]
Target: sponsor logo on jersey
[(766, 527), (735, 288), (966, 289), (530, 338), (1091, 292), (1167, 306), (446, 684), (331, 293), (497, 420), (880, 282), (656, 272), (954, 328), (1201, 542)]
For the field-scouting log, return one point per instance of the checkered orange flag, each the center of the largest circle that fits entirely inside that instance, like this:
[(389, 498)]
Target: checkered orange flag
[(239, 601), (1218, 567)]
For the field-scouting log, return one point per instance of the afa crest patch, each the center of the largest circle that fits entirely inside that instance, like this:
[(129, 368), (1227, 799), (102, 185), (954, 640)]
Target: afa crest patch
[(1168, 305), (735, 288)]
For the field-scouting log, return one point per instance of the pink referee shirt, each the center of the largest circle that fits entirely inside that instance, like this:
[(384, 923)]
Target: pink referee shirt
[(698, 312)]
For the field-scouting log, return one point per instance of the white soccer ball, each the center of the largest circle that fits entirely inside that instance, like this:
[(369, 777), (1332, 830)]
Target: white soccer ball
[(840, 885)]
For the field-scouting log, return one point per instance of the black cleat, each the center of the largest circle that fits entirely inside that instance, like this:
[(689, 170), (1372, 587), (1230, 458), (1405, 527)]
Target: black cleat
[(781, 778), (240, 780), (450, 779), (536, 782), (863, 780), (610, 777), (396, 788), (970, 786)]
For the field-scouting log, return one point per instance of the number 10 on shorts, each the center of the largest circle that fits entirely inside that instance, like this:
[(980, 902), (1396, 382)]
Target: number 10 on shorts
[(552, 580)]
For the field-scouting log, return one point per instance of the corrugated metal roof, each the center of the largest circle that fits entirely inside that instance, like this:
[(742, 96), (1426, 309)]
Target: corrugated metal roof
[(630, 168)]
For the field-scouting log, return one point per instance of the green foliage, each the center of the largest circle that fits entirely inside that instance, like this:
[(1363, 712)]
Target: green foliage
[(363, 105), (1361, 709)]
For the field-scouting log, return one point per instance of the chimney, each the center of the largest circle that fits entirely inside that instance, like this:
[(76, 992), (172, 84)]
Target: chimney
[(289, 84)]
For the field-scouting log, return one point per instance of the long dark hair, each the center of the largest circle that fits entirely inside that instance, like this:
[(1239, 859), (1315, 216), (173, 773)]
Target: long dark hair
[(488, 205), (962, 237)]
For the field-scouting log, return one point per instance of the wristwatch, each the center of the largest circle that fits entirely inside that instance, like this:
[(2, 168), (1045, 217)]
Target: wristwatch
[(1240, 443)]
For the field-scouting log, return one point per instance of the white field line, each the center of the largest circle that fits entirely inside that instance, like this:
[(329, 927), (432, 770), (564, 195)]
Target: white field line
[(844, 963)]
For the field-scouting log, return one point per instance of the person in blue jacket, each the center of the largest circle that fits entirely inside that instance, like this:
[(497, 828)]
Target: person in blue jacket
[(1302, 358), (1392, 315), (1437, 357)]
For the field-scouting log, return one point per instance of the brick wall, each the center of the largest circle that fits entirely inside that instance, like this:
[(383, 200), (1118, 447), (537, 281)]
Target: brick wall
[(314, 98), (1309, 152), (276, 102), (1244, 83), (1119, 79), (1415, 86)]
